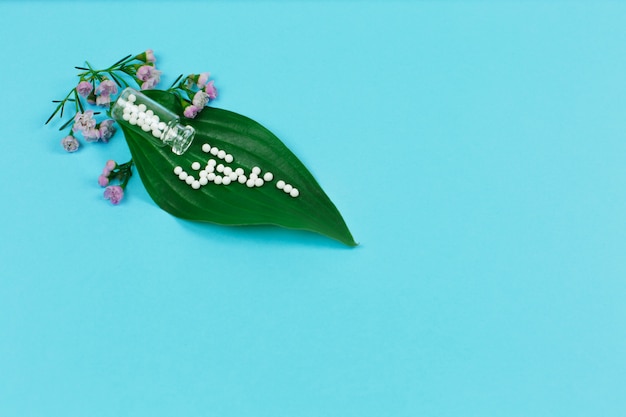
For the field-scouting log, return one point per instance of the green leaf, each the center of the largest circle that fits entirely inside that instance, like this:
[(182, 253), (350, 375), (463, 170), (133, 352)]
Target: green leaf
[(251, 145)]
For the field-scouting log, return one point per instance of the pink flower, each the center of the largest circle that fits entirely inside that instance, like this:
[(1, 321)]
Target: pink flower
[(211, 90), (91, 135), (106, 88), (103, 180), (200, 99), (109, 166), (84, 121), (149, 75), (70, 143), (103, 100), (191, 111), (203, 78), (150, 55), (84, 88), (114, 193), (106, 130)]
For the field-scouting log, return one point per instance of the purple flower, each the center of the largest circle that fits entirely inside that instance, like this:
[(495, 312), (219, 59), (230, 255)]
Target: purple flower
[(106, 130), (200, 99), (191, 111), (70, 143), (211, 90), (91, 134), (149, 75), (84, 121), (114, 193), (150, 55), (103, 100), (203, 78), (84, 88), (106, 88), (103, 180)]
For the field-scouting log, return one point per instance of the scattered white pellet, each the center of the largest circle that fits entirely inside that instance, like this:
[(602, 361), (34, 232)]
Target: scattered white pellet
[(233, 176), (228, 158), (253, 176), (280, 184), (256, 170), (189, 179), (227, 170), (203, 173), (162, 125), (132, 120), (214, 151), (157, 133), (149, 113), (212, 162), (141, 107), (226, 180), (218, 179), (141, 115), (268, 176), (221, 154), (183, 176), (132, 98), (259, 182), (210, 176), (206, 148), (145, 127), (220, 168), (195, 166), (203, 180), (126, 116), (250, 183), (239, 171), (195, 185), (121, 102), (287, 188), (210, 168), (178, 170), (294, 192), (242, 179)]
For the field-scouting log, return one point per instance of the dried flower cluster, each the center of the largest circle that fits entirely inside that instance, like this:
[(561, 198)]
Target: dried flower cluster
[(98, 88)]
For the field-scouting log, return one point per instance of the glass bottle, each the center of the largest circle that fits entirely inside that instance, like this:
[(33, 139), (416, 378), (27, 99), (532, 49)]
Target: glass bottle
[(152, 120)]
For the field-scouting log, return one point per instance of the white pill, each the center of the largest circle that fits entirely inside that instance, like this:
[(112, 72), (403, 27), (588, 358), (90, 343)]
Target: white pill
[(210, 176), (220, 168), (145, 127), (189, 179), (280, 184), (218, 179), (195, 166), (162, 125), (228, 158), (149, 113), (294, 192), (195, 185), (140, 122), (203, 180), (212, 162), (141, 107), (183, 176), (256, 170), (156, 118), (226, 180), (242, 179), (259, 182), (268, 176), (250, 183), (233, 176), (210, 168), (239, 171), (134, 109), (206, 148), (214, 151), (132, 98), (178, 170), (228, 170), (121, 102), (126, 116), (126, 108), (203, 173), (157, 133), (287, 188), (221, 154), (132, 120)]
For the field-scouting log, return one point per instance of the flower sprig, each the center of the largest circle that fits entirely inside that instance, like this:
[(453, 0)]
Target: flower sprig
[(113, 171), (98, 87)]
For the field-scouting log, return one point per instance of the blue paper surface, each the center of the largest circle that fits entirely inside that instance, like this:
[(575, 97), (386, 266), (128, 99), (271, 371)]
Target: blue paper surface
[(476, 150)]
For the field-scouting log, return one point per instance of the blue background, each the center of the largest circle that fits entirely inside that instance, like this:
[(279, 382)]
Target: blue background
[(476, 150)]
